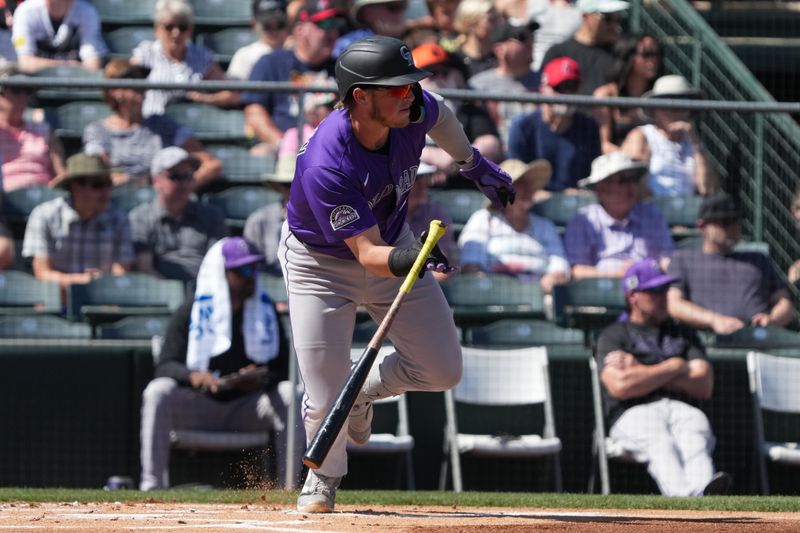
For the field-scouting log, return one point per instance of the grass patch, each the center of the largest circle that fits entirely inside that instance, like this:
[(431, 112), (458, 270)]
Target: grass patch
[(424, 498)]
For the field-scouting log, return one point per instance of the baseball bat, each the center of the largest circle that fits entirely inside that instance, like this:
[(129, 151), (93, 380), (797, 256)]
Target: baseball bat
[(340, 410)]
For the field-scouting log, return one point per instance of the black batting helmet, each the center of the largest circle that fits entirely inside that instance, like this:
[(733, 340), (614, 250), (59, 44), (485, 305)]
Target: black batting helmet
[(376, 60)]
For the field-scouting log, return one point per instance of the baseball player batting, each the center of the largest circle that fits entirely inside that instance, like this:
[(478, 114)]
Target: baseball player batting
[(345, 243)]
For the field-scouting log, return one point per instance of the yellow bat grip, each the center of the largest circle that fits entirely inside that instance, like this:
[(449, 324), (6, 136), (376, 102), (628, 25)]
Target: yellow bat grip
[(435, 232)]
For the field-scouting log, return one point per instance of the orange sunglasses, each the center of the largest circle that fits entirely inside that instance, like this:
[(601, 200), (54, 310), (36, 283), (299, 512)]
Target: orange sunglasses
[(398, 92)]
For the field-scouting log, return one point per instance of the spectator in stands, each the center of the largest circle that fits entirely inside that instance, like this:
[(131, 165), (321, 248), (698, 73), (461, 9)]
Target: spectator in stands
[(794, 270), (30, 153), (421, 210), (80, 237), (677, 161), (638, 66), (373, 17), (721, 289), (567, 138), (272, 28), (230, 328), (513, 74), (315, 31), (173, 57), (442, 18), (592, 45), (513, 240), (474, 20), (7, 248), (606, 238), (7, 52), (558, 20), (654, 371), (172, 234), (128, 141), (49, 33), (263, 226)]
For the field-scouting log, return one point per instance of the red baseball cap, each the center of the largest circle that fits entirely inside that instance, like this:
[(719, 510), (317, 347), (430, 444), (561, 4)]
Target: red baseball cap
[(319, 10), (559, 70)]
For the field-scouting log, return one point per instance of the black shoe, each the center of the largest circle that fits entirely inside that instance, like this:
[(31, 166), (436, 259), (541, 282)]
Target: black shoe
[(719, 485)]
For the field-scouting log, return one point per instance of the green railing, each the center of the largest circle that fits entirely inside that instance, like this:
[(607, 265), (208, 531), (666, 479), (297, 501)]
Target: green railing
[(757, 154)]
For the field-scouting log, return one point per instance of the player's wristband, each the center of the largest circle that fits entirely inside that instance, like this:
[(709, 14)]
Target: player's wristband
[(401, 260)]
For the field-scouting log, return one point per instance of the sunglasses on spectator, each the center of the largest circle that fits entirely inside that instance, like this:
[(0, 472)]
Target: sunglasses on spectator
[(245, 271), (275, 24), (649, 54), (398, 92), (567, 87), (180, 177), (627, 178), (395, 7), (331, 24), (658, 290), (94, 183), (611, 18), (181, 26)]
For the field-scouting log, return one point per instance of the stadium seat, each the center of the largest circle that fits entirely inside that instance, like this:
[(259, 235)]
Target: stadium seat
[(500, 382), (237, 203), (111, 298), (390, 431), (222, 12), (56, 96), (604, 448), (588, 304), (122, 41), (776, 398), (21, 293), (481, 299), (70, 119), (517, 333), (561, 207), (209, 123), (759, 338), (126, 197), (680, 213), (459, 204), (134, 327), (276, 289), (18, 204), (225, 43), (125, 11), (239, 166), (42, 327)]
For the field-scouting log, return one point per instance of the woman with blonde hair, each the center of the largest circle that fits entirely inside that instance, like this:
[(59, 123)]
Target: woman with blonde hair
[(173, 57), (474, 20)]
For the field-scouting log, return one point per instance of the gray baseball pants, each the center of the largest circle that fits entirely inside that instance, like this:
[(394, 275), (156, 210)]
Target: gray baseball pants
[(324, 292), (167, 406)]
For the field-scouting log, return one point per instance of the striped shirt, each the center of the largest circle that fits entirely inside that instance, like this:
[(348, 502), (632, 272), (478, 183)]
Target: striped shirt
[(196, 62), (55, 230)]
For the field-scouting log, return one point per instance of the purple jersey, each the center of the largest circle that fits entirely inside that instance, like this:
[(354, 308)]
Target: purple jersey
[(341, 189)]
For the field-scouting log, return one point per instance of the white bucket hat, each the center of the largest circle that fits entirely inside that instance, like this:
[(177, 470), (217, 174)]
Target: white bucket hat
[(607, 165), (672, 86)]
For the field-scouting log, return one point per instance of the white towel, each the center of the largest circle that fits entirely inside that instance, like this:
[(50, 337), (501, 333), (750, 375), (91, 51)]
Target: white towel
[(210, 325)]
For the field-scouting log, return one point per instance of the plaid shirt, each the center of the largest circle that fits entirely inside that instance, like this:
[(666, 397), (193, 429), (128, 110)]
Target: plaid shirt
[(56, 231)]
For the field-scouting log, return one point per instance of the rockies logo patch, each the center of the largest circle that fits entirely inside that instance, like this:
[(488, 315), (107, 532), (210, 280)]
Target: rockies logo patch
[(342, 216)]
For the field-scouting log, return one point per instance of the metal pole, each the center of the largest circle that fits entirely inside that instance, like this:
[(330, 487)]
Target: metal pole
[(758, 179)]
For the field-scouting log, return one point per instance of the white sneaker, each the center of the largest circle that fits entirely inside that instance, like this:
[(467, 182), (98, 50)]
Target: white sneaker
[(318, 494), (359, 423)]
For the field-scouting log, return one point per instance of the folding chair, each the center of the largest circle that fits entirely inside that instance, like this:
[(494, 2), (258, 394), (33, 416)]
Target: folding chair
[(774, 388), (560, 207), (225, 43), (209, 123), (238, 203), (111, 298), (499, 379), (386, 440), (521, 332), (122, 41), (42, 327), (21, 293), (481, 299), (603, 446)]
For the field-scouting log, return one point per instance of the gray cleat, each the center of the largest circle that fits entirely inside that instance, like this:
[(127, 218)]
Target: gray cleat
[(318, 494)]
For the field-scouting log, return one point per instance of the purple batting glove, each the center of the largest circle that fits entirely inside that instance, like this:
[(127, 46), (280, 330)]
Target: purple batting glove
[(492, 180)]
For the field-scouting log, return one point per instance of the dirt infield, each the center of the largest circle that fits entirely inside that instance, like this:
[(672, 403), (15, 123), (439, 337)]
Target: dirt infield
[(190, 518)]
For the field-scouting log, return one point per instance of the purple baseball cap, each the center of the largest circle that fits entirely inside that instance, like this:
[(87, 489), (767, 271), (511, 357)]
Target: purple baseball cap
[(238, 252), (645, 275)]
